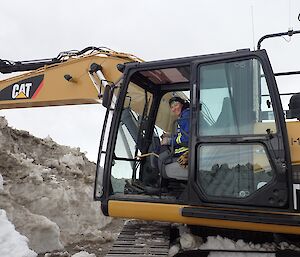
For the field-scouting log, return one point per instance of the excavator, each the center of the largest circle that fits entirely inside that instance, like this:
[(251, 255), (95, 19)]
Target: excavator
[(243, 172)]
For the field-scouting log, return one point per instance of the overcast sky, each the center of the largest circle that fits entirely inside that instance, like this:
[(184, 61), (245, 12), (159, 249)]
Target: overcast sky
[(151, 30)]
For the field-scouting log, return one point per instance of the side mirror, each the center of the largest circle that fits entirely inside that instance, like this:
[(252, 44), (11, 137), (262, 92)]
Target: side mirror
[(107, 95), (294, 107)]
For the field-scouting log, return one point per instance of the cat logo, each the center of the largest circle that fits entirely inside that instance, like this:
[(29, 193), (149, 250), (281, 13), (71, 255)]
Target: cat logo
[(23, 89), (20, 91)]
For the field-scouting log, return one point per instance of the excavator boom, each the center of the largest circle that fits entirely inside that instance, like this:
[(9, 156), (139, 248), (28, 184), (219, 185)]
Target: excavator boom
[(71, 78)]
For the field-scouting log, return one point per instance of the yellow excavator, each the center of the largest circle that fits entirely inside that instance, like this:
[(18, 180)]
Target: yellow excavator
[(243, 170)]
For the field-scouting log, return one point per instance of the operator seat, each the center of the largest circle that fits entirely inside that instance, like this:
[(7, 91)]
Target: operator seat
[(175, 171), (170, 168)]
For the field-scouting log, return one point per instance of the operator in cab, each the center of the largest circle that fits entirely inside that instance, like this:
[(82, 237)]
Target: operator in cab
[(178, 142)]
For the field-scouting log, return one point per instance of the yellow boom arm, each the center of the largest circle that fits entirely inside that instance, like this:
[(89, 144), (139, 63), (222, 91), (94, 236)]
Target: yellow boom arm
[(71, 81)]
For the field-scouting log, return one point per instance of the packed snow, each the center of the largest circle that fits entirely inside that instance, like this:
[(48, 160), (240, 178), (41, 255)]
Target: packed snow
[(46, 191), (83, 254), (12, 243), (188, 241)]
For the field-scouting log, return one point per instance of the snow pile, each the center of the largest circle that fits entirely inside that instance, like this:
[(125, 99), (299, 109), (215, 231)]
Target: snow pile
[(220, 243), (12, 243), (188, 241), (66, 254), (83, 254), (47, 191)]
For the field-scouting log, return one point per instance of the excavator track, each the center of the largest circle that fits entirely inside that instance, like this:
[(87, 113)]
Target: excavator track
[(250, 253), (141, 238)]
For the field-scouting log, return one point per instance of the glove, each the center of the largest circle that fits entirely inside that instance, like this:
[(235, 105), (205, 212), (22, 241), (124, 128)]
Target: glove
[(183, 160), (165, 139)]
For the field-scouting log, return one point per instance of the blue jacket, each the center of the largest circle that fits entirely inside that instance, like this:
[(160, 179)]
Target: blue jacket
[(180, 140)]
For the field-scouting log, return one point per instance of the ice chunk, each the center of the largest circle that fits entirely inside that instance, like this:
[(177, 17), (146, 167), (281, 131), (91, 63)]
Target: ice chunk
[(1, 182), (13, 244), (84, 254)]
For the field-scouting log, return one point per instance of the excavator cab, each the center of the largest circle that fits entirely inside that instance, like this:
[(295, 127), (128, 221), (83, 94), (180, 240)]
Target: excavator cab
[(239, 172)]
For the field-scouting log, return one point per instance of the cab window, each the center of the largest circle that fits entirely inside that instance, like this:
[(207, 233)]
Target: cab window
[(232, 99)]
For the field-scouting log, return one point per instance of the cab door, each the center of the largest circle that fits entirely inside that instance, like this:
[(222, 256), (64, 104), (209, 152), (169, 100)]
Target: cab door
[(239, 142)]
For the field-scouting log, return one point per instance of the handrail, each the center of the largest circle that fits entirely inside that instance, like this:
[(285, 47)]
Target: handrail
[(289, 33)]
